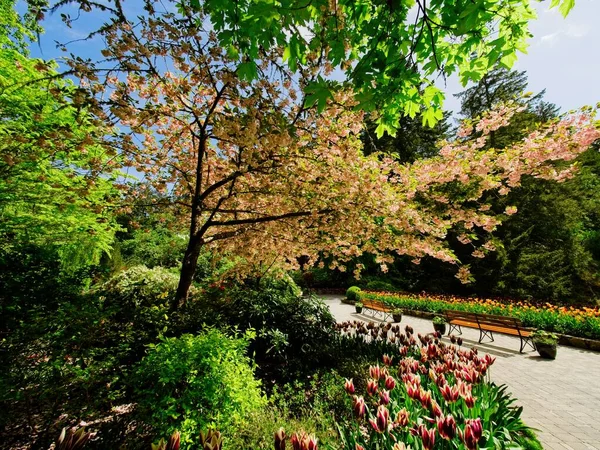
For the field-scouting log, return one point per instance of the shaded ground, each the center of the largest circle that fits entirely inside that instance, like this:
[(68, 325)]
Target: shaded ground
[(560, 398)]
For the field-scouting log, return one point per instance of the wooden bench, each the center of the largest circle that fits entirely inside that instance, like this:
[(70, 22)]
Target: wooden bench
[(488, 324), (378, 308)]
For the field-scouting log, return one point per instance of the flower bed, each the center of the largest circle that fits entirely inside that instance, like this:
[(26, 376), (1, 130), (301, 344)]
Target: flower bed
[(434, 397), (580, 322)]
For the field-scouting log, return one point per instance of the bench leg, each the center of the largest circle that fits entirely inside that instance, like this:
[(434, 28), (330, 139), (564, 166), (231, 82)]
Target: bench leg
[(483, 333), (455, 328), (526, 341)]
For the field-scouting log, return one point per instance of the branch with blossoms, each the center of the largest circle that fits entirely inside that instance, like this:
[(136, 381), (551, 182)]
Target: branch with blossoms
[(257, 173)]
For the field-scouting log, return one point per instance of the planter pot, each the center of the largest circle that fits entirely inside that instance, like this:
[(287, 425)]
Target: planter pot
[(397, 317), (547, 351), (440, 328), (358, 309)]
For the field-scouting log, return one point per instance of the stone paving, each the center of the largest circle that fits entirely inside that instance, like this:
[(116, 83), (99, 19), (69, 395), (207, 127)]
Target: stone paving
[(560, 398)]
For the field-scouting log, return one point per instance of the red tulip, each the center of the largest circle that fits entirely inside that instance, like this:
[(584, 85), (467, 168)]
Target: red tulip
[(359, 407), (427, 436), (387, 360), (372, 387), (385, 397), (381, 421), (450, 394), (349, 386), (425, 397), (390, 383), (473, 431), (280, 439), (375, 372), (447, 427), (470, 401), (437, 411)]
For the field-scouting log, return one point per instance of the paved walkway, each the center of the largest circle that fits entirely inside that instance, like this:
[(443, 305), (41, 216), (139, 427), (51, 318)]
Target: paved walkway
[(560, 398)]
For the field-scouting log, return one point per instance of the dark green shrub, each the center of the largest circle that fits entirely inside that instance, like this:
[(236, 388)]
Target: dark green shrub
[(193, 383), (378, 285), (353, 293), (291, 331)]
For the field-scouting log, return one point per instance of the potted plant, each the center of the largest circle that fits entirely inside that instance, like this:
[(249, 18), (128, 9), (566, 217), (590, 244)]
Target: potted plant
[(358, 306), (439, 324), (397, 314), (545, 343)]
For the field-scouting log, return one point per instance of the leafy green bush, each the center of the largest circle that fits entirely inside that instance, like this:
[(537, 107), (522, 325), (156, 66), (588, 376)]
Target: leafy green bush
[(84, 348), (154, 246), (353, 293), (193, 383)]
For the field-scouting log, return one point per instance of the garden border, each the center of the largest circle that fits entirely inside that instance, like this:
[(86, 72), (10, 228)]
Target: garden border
[(563, 339)]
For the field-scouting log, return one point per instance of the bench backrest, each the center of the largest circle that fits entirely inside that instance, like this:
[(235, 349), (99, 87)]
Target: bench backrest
[(367, 303), (487, 319)]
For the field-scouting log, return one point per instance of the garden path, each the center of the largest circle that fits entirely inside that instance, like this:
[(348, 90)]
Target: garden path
[(560, 398)]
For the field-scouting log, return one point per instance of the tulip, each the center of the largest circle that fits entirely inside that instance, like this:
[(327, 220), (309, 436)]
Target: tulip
[(427, 436), (489, 360), (473, 431), (385, 397), (174, 441), (349, 386), (453, 339), (381, 421), (470, 401), (375, 372), (303, 441), (372, 387), (425, 397), (450, 394), (404, 350), (387, 360), (413, 391), (359, 407), (459, 341), (399, 446), (358, 447), (437, 411), (402, 418), (409, 330), (280, 439), (447, 427), (390, 383), (212, 440)]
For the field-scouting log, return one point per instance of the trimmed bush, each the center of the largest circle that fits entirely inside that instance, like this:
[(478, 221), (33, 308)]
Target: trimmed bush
[(353, 293)]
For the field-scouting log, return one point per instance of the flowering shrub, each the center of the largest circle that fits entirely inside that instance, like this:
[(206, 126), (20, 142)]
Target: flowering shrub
[(430, 396), (582, 322)]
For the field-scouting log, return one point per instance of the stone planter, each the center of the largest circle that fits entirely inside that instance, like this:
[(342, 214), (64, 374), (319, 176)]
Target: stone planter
[(440, 328), (397, 317), (358, 309), (547, 351)]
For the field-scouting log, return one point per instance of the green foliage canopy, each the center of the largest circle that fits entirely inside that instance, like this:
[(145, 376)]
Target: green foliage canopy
[(55, 178), (389, 50)]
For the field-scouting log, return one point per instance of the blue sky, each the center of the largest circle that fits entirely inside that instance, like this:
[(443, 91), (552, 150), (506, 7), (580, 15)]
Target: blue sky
[(563, 57)]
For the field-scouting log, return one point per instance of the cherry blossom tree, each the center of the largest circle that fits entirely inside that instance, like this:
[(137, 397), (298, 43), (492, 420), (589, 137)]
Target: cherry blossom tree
[(257, 173)]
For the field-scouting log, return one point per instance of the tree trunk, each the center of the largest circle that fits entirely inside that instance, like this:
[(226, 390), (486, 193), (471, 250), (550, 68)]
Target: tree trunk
[(188, 270)]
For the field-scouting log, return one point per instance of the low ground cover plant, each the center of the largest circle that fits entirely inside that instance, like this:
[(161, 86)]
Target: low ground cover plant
[(574, 321)]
